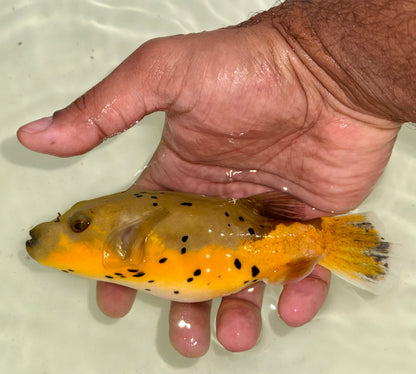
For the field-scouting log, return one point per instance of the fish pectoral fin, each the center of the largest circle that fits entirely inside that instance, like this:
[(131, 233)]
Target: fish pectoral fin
[(295, 270), (125, 245), (277, 205)]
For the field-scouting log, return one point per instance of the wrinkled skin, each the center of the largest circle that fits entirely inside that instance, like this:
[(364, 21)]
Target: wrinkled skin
[(243, 115)]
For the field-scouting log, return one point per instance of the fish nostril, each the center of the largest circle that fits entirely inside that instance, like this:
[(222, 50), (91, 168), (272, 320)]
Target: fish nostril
[(32, 241)]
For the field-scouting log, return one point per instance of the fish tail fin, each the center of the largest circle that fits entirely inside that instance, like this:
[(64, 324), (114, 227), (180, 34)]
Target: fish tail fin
[(355, 251)]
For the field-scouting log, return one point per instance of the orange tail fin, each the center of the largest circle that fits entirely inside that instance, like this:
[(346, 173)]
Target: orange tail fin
[(354, 250)]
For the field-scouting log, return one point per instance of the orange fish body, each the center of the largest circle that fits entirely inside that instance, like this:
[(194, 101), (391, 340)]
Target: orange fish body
[(190, 248)]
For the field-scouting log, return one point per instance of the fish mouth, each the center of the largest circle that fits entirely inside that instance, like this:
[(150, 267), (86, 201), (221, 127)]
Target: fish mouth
[(33, 245), (32, 241), (43, 238)]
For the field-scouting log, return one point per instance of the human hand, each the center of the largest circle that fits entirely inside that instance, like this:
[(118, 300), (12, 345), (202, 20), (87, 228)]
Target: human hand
[(243, 115)]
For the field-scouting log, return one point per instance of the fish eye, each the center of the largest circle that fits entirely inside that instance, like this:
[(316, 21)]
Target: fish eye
[(79, 223)]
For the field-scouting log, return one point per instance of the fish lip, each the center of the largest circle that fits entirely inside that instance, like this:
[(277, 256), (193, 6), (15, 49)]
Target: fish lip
[(32, 241)]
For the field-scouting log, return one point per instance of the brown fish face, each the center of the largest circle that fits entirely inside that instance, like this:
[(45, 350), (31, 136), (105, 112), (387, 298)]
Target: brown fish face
[(81, 233), (45, 236)]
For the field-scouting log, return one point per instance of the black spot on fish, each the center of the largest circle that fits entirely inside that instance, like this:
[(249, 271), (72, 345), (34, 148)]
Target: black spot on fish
[(65, 271), (153, 197), (197, 272), (251, 231), (241, 219), (151, 281), (155, 204), (190, 279), (140, 274), (175, 292), (255, 271), (245, 282), (186, 204), (237, 263), (184, 238), (58, 218), (109, 277), (119, 274), (138, 194), (228, 225), (227, 214), (147, 289), (133, 270), (162, 260), (183, 250)]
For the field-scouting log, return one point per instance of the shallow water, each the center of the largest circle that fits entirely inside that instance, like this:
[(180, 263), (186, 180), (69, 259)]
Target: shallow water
[(49, 323)]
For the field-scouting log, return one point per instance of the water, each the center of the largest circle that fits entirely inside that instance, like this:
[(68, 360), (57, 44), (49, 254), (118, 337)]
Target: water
[(49, 323)]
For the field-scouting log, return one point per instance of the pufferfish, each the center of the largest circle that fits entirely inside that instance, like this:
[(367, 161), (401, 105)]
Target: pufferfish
[(191, 248)]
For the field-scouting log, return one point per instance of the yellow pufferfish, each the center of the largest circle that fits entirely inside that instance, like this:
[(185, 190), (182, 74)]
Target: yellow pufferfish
[(190, 248)]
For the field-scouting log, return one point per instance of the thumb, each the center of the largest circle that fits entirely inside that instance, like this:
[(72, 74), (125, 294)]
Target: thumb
[(112, 106)]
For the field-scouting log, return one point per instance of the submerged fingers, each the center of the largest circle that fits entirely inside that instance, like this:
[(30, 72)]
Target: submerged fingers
[(114, 300), (239, 319), (300, 301), (189, 328), (239, 316), (238, 323)]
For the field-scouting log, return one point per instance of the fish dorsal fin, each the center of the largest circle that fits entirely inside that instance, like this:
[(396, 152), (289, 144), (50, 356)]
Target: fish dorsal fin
[(125, 245), (278, 205)]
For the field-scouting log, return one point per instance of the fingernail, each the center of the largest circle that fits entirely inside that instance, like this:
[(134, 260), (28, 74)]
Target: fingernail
[(37, 126)]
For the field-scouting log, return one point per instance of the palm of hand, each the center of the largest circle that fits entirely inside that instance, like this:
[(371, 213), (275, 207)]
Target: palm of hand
[(230, 134), (243, 116)]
